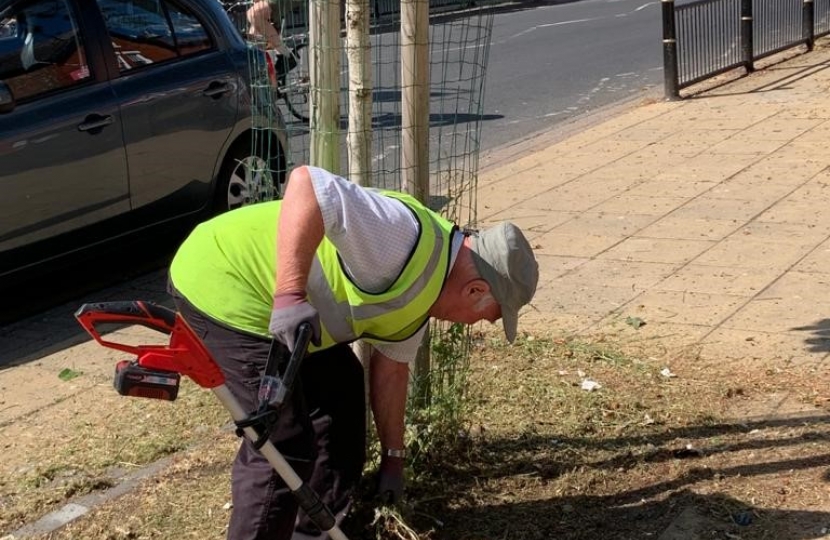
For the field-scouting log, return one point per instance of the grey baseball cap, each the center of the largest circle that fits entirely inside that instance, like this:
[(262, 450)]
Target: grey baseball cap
[(504, 258)]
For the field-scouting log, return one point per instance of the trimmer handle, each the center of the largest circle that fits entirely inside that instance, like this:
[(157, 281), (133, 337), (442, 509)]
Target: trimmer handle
[(184, 354), (126, 313)]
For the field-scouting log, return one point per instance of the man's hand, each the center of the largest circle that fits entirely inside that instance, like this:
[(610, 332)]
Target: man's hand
[(390, 480), (289, 311)]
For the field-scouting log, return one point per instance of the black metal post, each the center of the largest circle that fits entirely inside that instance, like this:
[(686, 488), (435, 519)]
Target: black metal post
[(670, 77), (747, 46), (808, 23)]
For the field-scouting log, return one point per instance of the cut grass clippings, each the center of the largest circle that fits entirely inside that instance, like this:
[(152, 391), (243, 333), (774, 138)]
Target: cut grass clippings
[(87, 442), (540, 456)]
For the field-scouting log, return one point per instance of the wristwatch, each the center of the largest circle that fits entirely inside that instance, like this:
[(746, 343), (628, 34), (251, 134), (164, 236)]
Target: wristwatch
[(394, 452)]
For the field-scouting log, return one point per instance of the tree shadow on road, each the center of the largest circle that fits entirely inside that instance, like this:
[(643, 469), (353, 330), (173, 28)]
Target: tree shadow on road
[(393, 120)]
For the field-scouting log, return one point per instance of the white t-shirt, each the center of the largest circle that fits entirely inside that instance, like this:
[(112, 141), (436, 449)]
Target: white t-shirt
[(374, 236)]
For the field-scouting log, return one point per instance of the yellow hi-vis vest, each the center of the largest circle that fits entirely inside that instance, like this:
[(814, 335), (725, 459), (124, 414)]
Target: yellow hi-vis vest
[(226, 269)]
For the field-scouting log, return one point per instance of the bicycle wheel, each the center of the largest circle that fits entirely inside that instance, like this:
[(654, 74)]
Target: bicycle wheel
[(294, 86)]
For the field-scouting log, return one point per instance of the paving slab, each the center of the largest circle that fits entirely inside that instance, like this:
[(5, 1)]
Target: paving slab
[(685, 307), (574, 245), (657, 250), (671, 186), (606, 223), (764, 350), (709, 167), (691, 228), (739, 251), (629, 275), (817, 261), (533, 221), (626, 203)]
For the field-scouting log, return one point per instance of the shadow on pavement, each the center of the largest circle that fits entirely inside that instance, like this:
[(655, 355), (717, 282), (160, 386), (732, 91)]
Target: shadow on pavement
[(38, 319), (708, 88), (820, 336), (395, 95)]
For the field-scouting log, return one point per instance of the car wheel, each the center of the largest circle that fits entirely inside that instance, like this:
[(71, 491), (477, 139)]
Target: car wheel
[(250, 174)]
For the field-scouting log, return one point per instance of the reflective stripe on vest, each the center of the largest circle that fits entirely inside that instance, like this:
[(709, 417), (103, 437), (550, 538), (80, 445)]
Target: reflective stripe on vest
[(415, 290)]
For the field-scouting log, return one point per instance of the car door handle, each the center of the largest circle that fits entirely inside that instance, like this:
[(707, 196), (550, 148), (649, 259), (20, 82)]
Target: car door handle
[(215, 89), (95, 121)]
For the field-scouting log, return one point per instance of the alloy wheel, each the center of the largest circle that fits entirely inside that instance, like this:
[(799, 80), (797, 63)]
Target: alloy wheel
[(251, 181)]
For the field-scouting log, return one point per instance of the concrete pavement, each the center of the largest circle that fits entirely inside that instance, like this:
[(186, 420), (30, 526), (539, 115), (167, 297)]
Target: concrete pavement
[(707, 218)]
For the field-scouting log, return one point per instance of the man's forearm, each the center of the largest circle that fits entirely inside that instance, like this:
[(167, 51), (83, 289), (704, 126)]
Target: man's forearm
[(388, 382), (300, 232)]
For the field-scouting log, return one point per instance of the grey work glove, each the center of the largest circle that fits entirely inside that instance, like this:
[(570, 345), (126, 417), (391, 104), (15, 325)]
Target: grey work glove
[(289, 311), (390, 480)]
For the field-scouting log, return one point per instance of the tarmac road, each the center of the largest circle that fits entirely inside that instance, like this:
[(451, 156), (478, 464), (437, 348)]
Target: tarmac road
[(554, 62)]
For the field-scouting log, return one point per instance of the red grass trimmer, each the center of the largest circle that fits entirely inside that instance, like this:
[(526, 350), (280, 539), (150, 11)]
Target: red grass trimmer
[(156, 372)]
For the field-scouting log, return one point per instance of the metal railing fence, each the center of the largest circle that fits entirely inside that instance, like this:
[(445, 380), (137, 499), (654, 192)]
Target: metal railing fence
[(822, 17), (708, 39), (705, 38), (777, 25)]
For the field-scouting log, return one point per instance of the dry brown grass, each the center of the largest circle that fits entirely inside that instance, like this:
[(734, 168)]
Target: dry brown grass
[(88, 442), (541, 458)]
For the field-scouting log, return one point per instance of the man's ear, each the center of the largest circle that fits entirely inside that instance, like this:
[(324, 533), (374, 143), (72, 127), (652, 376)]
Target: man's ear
[(476, 289)]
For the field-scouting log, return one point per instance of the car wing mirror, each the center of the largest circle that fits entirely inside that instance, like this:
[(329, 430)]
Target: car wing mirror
[(6, 98)]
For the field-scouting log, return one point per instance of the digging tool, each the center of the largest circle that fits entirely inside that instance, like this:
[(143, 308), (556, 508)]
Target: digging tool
[(156, 370)]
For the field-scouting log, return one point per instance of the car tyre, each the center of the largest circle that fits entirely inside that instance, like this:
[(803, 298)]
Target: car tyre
[(251, 173)]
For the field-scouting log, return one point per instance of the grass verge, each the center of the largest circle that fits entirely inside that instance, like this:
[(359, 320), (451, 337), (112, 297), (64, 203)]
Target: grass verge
[(91, 440), (540, 456)]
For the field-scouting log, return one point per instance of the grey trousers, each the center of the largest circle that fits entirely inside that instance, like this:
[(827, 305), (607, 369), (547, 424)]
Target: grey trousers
[(320, 430)]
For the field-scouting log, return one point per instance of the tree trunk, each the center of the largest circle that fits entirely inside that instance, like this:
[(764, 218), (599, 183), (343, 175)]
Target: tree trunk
[(415, 122), (324, 63), (359, 136)]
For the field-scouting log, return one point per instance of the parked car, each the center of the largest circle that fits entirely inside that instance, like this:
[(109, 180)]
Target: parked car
[(117, 116)]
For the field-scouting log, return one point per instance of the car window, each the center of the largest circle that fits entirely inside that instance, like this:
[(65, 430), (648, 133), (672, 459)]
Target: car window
[(41, 49), (147, 32), (191, 36)]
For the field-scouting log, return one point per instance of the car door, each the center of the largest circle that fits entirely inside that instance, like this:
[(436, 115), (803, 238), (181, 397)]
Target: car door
[(178, 96), (62, 159)]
